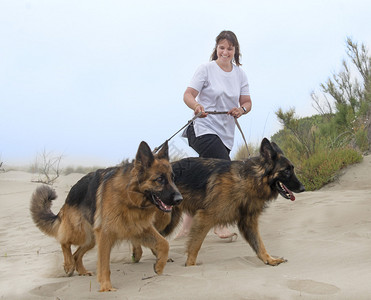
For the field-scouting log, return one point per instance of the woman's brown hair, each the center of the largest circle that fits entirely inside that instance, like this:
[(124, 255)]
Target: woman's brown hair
[(231, 38)]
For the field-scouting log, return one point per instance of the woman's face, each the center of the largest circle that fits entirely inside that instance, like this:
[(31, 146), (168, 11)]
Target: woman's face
[(225, 51)]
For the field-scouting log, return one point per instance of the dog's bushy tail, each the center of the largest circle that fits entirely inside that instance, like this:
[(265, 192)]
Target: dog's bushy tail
[(176, 215), (41, 213)]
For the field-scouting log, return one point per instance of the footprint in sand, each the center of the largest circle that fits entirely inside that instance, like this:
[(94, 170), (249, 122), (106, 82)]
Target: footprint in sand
[(312, 287), (50, 289)]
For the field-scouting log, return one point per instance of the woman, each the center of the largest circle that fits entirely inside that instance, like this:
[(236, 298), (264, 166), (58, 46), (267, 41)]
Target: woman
[(219, 85)]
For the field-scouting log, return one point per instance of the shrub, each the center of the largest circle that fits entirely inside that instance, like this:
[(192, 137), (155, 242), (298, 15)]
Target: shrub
[(47, 165), (323, 167)]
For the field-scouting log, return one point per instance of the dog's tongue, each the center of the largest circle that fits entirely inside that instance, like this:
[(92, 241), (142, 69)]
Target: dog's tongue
[(292, 197), (164, 206)]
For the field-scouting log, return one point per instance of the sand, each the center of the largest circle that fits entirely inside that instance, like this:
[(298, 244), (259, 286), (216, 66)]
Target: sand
[(324, 235)]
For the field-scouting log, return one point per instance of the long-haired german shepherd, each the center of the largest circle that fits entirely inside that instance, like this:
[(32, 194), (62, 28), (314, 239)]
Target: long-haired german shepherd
[(221, 192), (109, 205)]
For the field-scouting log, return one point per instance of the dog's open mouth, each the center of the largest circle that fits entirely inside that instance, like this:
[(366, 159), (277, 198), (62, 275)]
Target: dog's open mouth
[(284, 191), (161, 205)]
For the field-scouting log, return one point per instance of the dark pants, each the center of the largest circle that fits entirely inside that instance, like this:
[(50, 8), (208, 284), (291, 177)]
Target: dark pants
[(207, 145)]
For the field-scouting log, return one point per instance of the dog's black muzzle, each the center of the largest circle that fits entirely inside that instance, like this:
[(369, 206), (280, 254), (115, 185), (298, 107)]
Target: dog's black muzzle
[(165, 201), (178, 198)]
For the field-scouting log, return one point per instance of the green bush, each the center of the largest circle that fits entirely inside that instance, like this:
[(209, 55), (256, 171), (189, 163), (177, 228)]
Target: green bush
[(323, 167), (361, 140)]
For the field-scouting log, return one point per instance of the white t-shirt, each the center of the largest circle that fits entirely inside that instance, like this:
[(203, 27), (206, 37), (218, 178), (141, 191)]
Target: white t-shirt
[(218, 91)]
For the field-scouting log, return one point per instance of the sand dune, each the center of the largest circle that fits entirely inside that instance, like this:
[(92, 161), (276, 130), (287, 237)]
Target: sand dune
[(325, 235)]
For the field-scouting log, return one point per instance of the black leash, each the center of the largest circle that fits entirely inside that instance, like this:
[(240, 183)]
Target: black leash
[(194, 118)]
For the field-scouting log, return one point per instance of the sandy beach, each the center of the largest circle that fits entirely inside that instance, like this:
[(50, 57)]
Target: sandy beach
[(324, 235)]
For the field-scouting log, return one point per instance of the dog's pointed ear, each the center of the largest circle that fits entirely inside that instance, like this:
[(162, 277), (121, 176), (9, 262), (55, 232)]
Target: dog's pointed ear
[(144, 157), (277, 148), (267, 151), (164, 151)]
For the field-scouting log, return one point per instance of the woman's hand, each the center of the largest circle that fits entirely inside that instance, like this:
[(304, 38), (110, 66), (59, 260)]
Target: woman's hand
[(236, 112), (200, 109)]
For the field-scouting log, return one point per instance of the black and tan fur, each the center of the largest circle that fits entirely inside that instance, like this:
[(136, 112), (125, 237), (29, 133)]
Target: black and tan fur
[(220, 192), (110, 205)]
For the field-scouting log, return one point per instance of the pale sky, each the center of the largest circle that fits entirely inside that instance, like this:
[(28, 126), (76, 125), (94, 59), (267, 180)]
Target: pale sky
[(91, 79)]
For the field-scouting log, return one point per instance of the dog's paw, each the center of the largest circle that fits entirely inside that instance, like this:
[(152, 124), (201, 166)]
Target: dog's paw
[(275, 261), (190, 262), (69, 269), (108, 290), (107, 287), (86, 273), (135, 258), (137, 254), (158, 268)]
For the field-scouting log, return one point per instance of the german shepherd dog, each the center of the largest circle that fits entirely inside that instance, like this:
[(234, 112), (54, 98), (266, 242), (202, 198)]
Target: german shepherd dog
[(110, 205), (221, 192)]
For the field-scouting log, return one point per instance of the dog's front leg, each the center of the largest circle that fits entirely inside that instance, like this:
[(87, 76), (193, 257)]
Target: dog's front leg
[(250, 230), (201, 225), (105, 244), (159, 246)]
